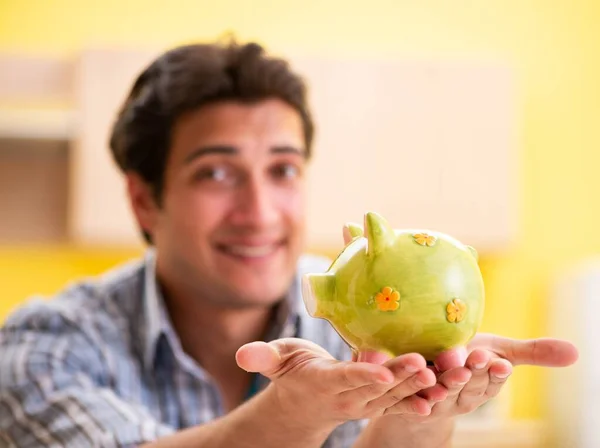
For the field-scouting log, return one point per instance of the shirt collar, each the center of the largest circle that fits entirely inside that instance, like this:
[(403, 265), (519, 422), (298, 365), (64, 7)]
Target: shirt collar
[(154, 309), (285, 322)]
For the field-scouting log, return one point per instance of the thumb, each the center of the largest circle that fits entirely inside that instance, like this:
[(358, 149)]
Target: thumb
[(258, 357), (270, 359), (547, 352)]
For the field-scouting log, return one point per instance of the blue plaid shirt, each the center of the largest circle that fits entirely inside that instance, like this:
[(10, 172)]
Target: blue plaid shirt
[(101, 365)]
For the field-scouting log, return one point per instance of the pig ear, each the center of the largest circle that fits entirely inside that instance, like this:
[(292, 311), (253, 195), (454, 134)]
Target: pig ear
[(379, 233), (351, 231), (473, 252)]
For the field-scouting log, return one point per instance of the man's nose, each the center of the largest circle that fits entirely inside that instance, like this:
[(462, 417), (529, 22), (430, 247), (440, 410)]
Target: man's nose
[(256, 205)]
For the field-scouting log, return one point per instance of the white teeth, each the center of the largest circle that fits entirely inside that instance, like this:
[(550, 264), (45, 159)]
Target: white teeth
[(252, 251)]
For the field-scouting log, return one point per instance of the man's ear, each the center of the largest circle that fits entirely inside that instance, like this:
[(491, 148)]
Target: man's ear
[(142, 202)]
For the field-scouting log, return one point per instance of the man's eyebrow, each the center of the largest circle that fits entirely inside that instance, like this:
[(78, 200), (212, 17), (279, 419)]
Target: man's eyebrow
[(288, 150), (231, 150), (207, 150)]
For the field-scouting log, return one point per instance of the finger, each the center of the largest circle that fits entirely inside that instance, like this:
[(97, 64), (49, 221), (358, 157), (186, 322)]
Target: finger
[(348, 376), (410, 362), (500, 371), (278, 358), (411, 405), (486, 383), (474, 392), (454, 380), (372, 357), (434, 369), (415, 383), (451, 359), (434, 394), (479, 364), (402, 367), (271, 359), (546, 352), (478, 360), (260, 356)]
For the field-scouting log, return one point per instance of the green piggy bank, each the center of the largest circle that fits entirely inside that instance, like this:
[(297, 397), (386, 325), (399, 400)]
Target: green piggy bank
[(399, 291)]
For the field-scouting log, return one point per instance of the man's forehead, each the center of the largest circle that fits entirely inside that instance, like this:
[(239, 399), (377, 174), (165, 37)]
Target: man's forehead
[(234, 129)]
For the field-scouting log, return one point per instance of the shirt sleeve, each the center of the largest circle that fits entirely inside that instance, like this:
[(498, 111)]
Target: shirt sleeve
[(56, 392)]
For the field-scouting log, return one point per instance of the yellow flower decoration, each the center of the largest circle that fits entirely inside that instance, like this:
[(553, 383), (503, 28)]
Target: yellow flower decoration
[(456, 310), (387, 299), (425, 239)]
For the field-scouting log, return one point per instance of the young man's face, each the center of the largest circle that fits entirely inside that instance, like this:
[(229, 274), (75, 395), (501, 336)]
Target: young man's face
[(231, 225)]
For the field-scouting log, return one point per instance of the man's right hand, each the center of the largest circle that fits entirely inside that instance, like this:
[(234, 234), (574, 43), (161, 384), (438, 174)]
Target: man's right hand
[(311, 386), (310, 394)]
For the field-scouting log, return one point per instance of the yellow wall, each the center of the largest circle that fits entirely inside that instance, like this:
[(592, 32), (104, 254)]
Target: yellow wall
[(554, 47), (25, 271)]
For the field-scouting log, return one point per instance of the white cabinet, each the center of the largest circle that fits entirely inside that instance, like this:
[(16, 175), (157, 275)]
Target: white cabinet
[(99, 211), (426, 144)]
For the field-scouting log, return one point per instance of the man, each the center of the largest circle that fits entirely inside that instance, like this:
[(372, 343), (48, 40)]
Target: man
[(205, 341)]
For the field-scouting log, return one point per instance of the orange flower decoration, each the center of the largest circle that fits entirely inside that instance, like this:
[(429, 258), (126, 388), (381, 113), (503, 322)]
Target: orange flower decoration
[(456, 310), (425, 239), (387, 299)]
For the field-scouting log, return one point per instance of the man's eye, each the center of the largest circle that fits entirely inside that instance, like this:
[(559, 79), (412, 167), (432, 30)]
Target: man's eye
[(286, 171), (215, 174)]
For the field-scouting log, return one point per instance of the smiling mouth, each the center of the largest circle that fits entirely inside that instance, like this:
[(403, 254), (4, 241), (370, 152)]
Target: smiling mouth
[(250, 251)]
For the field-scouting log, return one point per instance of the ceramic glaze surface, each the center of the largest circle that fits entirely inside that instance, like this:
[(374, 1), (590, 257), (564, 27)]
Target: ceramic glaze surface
[(399, 291)]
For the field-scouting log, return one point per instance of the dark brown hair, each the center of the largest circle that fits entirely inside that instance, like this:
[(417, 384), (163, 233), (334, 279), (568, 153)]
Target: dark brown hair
[(186, 78)]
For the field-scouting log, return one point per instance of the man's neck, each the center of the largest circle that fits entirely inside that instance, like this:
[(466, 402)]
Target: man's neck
[(211, 335)]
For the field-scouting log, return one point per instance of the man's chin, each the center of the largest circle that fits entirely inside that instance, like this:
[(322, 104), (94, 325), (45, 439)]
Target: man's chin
[(263, 299), (246, 296), (257, 282)]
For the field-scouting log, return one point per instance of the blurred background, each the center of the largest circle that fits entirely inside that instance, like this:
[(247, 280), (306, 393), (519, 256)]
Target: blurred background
[(484, 114)]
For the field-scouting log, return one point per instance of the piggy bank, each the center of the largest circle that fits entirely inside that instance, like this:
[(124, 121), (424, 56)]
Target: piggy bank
[(399, 291)]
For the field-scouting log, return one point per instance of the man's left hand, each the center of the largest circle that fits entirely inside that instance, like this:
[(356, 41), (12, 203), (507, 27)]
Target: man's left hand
[(470, 376)]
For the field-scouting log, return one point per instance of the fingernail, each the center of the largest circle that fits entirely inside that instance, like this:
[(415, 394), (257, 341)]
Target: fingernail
[(480, 365), (502, 375), (411, 369)]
